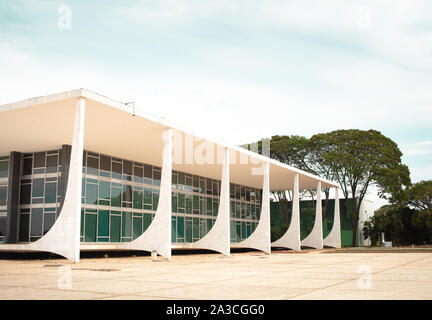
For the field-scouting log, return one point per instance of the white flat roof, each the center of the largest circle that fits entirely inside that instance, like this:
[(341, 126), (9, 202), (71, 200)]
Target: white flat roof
[(46, 122)]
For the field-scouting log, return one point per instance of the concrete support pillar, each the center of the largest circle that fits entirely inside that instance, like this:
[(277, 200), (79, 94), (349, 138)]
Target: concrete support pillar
[(291, 238), (333, 239), (13, 197), (158, 235), (64, 236), (260, 238), (315, 238), (218, 238)]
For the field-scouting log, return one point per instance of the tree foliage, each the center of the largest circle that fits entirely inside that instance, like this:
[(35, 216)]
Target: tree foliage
[(400, 224), (420, 196), (357, 159)]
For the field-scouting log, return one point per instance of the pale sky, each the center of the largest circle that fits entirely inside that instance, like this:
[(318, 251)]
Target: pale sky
[(236, 70)]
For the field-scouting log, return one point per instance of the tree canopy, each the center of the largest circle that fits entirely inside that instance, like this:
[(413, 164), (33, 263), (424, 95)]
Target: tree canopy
[(357, 159)]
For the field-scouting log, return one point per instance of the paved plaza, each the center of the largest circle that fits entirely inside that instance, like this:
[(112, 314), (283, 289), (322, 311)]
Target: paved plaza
[(327, 274)]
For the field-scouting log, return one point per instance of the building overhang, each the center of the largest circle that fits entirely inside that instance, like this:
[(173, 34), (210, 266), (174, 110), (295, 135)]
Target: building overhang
[(113, 128)]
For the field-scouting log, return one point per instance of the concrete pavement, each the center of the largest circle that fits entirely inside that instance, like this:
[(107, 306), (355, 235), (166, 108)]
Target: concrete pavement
[(251, 275)]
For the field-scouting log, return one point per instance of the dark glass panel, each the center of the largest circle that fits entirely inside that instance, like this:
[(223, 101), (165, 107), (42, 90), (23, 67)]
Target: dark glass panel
[(103, 223), (90, 227), (136, 227), (173, 229), (196, 202), (36, 222), (3, 195), (38, 188), (115, 228), (138, 174), (91, 193), (115, 197), (156, 177), (209, 186), (116, 170), (147, 218), (25, 194), (52, 164), (105, 163), (181, 178), (148, 196), (174, 202), (188, 230), (155, 199), (148, 171), (39, 160), (196, 183), (4, 171), (188, 204), (24, 227), (195, 228), (92, 165), (127, 193), (127, 167), (181, 200), (27, 167), (126, 224), (137, 199), (49, 220), (104, 190), (180, 229), (51, 192), (203, 227)]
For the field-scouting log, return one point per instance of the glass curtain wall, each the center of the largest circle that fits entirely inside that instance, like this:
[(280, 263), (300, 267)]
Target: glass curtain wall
[(39, 194), (120, 198), (4, 175)]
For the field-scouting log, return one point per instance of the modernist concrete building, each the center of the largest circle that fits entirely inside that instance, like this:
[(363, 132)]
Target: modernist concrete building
[(79, 171)]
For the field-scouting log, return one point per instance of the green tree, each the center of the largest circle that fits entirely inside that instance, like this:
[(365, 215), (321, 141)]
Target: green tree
[(400, 224), (290, 150), (420, 196), (359, 159), (305, 154)]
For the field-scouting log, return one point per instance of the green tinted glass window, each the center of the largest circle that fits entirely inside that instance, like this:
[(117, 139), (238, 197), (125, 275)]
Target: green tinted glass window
[(155, 199), (51, 192), (137, 199), (115, 228), (38, 187), (180, 229), (104, 190), (146, 220), (4, 165), (137, 227), (90, 227), (126, 224), (188, 204), (188, 230), (115, 197), (148, 196), (91, 193), (173, 229), (103, 223)]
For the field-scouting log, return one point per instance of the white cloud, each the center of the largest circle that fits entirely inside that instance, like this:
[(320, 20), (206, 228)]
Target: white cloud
[(422, 148)]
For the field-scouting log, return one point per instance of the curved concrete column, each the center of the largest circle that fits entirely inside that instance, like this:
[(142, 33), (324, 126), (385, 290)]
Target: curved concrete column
[(333, 239), (158, 234), (64, 236), (291, 238), (260, 238), (315, 238), (218, 238)]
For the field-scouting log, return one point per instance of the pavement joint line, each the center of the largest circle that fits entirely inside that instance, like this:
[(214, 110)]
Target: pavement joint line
[(357, 277), (57, 289)]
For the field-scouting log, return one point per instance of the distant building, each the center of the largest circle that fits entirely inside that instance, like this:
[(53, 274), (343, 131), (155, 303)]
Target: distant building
[(307, 218)]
